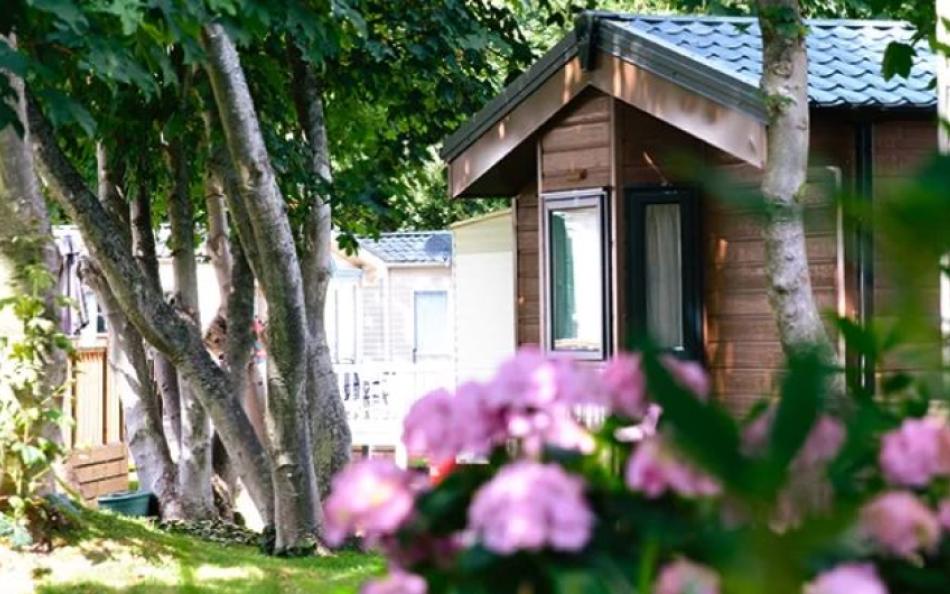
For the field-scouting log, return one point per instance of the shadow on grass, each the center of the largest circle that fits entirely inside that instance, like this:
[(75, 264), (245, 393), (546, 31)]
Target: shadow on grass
[(132, 557)]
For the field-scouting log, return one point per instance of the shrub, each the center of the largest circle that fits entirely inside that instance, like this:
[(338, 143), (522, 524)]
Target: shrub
[(29, 415)]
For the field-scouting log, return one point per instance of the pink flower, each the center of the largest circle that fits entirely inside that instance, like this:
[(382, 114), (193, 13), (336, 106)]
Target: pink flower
[(685, 577), (429, 428), (372, 497), (531, 399), (900, 524), (849, 578), (912, 455), (822, 445), (624, 385), (689, 375), (529, 506), (943, 514), (398, 582), (653, 469)]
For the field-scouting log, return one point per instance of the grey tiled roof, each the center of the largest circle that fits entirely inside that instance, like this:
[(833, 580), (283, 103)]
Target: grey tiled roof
[(845, 57), (418, 247)]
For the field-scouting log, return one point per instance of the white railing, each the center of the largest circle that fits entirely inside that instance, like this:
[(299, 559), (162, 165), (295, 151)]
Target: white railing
[(377, 396)]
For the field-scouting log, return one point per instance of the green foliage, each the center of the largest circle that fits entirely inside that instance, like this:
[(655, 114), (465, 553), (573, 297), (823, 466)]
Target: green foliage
[(28, 409)]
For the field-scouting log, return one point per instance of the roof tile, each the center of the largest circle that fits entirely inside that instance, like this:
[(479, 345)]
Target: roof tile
[(845, 56), (417, 247)]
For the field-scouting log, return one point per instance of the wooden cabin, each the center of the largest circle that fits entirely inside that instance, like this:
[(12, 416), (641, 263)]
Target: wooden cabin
[(600, 142)]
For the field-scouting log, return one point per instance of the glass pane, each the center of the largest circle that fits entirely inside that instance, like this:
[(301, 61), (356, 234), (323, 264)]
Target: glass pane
[(664, 274), (576, 283), (431, 323)]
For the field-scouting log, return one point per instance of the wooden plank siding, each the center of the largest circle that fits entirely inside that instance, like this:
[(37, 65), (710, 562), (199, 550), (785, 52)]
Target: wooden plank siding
[(528, 287), (599, 141), (900, 148), (742, 348)]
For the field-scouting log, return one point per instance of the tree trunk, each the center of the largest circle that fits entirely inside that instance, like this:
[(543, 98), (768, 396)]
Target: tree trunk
[(26, 238), (331, 431), (194, 460), (166, 376), (177, 337), (785, 85), (127, 359), (143, 421), (298, 510)]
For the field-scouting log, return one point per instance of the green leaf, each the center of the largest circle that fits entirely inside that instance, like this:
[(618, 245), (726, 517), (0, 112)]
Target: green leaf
[(898, 60), (31, 455)]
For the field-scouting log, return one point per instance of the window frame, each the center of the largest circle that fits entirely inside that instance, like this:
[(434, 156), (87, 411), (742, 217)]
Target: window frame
[(638, 198), (576, 200)]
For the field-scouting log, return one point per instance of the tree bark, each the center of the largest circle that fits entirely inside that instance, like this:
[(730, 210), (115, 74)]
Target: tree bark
[(299, 514), (194, 460), (166, 376), (127, 359), (331, 431), (177, 337), (26, 238), (785, 86), (143, 420)]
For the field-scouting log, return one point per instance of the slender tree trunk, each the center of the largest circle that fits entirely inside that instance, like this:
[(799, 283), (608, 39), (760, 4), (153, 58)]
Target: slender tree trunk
[(331, 431), (785, 85), (194, 460), (296, 498), (216, 336), (127, 359), (241, 335), (160, 324), (166, 376), (140, 401), (26, 238)]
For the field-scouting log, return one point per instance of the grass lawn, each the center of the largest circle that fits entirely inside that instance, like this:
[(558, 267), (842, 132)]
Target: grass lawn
[(113, 555)]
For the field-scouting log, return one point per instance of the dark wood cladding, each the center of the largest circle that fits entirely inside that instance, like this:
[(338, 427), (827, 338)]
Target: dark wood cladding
[(575, 146), (528, 304), (576, 150), (900, 148), (742, 349)]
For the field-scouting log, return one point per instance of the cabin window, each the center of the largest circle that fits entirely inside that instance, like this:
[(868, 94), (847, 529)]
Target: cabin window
[(431, 314), (575, 274), (663, 285)]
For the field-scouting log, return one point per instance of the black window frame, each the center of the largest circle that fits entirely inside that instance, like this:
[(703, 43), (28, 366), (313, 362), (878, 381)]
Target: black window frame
[(638, 198), (568, 200)]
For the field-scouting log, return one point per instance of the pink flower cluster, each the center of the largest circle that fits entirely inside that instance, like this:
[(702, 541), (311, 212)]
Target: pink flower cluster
[(371, 498), (900, 524), (654, 468), (685, 577), (528, 506), (530, 399), (821, 446), (849, 578), (397, 582), (916, 452)]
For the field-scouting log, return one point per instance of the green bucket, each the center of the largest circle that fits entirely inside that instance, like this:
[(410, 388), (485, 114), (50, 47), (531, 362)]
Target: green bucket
[(127, 503)]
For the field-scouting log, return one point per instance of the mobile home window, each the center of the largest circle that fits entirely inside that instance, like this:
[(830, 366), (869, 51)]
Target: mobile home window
[(664, 283), (575, 274), (431, 309)]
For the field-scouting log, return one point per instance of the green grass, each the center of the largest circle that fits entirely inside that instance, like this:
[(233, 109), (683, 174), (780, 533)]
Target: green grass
[(113, 555)]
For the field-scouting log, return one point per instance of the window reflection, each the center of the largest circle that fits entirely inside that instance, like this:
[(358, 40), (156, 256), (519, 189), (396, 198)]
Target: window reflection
[(576, 279)]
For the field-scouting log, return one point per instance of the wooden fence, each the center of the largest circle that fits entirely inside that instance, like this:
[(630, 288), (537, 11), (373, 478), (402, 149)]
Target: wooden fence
[(93, 404), (98, 460)]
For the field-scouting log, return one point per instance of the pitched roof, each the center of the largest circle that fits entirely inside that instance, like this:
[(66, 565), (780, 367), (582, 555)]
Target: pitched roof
[(720, 58), (416, 247), (844, 56)]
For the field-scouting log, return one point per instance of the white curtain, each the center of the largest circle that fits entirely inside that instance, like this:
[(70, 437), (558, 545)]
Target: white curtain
[(664, 275)]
